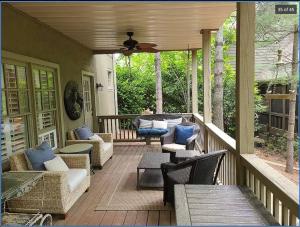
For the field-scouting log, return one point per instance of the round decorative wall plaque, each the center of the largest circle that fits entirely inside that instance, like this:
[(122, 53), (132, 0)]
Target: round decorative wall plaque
[(73, 100)]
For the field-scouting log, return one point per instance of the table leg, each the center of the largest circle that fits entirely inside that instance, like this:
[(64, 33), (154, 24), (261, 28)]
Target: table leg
[(91, 166), (138, 179)]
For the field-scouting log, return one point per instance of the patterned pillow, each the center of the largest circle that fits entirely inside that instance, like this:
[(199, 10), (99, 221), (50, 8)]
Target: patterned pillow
[(145, 124), (160, 124), (174, 122)]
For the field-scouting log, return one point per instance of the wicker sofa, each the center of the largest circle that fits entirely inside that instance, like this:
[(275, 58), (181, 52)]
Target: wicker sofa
[(53, 187), (101, 152)]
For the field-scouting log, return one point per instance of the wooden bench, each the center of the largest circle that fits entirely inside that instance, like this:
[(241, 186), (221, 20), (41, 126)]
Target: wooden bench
[(219, 205)]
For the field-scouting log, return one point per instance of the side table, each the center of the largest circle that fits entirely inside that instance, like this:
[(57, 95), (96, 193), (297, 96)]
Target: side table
[(80, 148)]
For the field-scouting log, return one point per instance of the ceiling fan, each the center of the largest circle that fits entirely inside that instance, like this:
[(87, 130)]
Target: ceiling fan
[(132, 46)]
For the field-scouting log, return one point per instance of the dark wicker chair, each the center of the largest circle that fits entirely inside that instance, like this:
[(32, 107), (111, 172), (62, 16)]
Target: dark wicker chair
[(202, 169), (169, 138)]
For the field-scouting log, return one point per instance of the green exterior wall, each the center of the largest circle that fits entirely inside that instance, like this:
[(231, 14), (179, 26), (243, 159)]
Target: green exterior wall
[(24, 35)]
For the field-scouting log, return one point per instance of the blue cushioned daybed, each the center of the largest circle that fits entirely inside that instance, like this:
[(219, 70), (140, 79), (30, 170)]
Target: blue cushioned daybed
[(150, 132)]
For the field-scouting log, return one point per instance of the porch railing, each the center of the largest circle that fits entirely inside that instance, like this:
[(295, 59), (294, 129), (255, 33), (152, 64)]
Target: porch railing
[(276, 192)]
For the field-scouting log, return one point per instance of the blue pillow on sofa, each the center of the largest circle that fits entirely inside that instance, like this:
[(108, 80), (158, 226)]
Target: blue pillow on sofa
[(182, 133), (37, 156), (83, 133)]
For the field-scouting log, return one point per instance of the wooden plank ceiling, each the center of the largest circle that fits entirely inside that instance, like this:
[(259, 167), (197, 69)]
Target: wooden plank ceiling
[(102, 26)]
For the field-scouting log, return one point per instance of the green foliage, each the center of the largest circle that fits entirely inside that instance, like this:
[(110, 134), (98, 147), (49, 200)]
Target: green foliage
[(277, 144), (136, 82)]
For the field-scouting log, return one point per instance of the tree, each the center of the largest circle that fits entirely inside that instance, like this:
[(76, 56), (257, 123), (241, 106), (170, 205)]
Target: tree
[(159, 108), (218, 80), (292, 106)]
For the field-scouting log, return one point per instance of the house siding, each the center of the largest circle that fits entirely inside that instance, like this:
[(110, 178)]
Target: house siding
[(24, 35)]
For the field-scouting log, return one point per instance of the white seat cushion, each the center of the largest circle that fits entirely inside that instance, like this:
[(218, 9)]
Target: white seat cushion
[(173, 147), (75, 177), (107, 146)]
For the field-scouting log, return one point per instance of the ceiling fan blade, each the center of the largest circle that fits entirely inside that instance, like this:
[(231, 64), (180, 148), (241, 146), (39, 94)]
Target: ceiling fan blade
[(149, 50), (145, 45)]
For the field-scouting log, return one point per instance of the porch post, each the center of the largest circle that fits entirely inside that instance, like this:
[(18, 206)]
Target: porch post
[(194, 82), (245, 60), (206, 52)]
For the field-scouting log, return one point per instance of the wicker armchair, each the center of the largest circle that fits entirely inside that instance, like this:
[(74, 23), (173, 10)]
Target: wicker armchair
[(168, 141), (202, 169), (101, 153), (52, 193)]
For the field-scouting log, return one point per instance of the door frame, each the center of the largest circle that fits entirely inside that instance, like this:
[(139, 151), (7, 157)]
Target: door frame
[(93, 94)]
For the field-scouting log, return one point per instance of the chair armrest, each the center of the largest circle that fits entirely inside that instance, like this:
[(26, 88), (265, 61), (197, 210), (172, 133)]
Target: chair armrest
[(168, 137), (77, 161), (167, 165), (107, 137), (53, 184), (190, 142), (70, 142)]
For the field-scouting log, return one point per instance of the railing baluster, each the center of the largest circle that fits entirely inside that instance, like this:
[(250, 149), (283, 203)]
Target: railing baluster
[(285, 216), (276, 209), (293, 219), (263, 193), (269, 201)]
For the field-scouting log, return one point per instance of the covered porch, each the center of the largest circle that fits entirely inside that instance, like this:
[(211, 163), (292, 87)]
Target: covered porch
[(102, 35)]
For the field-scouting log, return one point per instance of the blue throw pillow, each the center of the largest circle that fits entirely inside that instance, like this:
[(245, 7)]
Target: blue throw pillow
[(182, 133), (83, 133), (37, 156)]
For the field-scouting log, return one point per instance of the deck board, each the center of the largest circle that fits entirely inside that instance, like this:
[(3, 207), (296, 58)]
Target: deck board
[(102, 182)]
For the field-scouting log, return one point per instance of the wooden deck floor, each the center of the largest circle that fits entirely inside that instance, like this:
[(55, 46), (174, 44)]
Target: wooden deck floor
[(83, 211)]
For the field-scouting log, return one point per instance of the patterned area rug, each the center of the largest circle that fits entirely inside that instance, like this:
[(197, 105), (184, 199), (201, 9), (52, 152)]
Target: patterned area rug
[(126, 197)]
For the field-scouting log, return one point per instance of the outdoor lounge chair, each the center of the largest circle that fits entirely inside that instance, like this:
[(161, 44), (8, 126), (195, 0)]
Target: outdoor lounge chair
[(168, 140), (202, 169)]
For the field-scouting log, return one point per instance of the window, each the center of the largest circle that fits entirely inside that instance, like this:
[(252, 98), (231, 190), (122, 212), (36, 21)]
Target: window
[(45, 104), (110, 80), (15, 109)]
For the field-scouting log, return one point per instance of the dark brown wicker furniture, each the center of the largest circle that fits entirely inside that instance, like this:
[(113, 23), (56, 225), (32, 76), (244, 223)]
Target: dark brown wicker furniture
[(202, 169), (169, 138)]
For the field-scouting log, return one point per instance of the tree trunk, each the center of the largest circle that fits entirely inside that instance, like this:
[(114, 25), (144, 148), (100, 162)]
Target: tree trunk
[(218, 77), (158, 84), (292, 106)]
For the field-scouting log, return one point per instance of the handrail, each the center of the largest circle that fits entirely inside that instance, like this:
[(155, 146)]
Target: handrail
[(278, 194), (282, 187)]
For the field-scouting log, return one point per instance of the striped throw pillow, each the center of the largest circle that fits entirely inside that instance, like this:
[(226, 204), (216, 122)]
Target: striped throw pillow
[(174, 122), (145, 124)]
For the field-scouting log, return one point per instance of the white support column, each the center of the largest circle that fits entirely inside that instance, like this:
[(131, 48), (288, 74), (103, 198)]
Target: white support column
[(206, 54), (194, 82), (245, 60), (206, 50)]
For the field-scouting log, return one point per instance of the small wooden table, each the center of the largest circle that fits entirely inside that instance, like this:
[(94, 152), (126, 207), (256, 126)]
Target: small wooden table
[(79, 148), (152, 176), (219, 205)]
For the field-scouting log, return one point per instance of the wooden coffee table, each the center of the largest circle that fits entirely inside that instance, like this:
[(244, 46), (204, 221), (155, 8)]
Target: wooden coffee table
[(151, 177)]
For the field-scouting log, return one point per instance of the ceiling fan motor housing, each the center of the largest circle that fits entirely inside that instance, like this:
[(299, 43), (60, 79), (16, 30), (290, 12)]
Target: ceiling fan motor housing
[(130, 43)]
